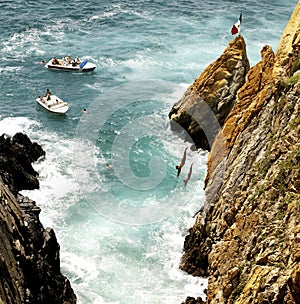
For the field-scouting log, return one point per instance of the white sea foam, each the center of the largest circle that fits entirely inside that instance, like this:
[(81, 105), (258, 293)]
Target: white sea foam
[(10, 69), (58, 184), (101, 258), (113, 260), (12, 125)]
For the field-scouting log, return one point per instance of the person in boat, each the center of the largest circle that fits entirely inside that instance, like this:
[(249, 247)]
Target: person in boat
[(188, 175), (69, 59), (76, 61), (179, 167), (55, 61), (48, 94), (41, 98), (85, 111)]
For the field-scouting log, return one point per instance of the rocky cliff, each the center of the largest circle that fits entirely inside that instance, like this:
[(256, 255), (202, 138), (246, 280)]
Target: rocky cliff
[(29, 254), (215, 87), (246, 240)]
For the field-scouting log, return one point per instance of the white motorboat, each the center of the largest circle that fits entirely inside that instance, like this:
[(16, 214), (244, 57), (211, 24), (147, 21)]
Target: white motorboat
[(69, 65), (53, 104)]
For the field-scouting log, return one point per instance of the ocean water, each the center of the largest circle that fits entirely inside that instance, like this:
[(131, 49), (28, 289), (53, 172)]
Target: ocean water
[(108, 185)]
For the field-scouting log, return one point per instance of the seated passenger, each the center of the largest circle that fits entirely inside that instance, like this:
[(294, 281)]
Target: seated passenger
[(69, 59), (55, 61)]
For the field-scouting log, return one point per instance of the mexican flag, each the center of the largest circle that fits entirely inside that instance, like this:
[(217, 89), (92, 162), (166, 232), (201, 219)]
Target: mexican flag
[(237, 26)]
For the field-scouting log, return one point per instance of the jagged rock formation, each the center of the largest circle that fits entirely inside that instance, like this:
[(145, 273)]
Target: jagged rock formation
[(29, 254), (216, 87), (246, 240)]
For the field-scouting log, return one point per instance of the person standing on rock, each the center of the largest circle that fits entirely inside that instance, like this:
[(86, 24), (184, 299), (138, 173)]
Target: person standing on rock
[(179, 167), (188, 175)]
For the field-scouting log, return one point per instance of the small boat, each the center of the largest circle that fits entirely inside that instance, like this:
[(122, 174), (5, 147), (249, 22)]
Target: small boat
[(69, 65), (53, 104)]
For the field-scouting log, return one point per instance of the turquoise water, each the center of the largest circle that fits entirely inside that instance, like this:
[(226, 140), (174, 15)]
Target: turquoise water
[(121, 228)]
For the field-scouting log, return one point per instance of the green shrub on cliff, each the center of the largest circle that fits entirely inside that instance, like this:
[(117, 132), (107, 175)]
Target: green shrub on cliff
[(293, 80), (296, 65), (285, 85)]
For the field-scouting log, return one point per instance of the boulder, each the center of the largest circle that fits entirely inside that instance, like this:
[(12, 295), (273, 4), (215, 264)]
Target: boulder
[(16, 155), (29, 253), (206, 103)]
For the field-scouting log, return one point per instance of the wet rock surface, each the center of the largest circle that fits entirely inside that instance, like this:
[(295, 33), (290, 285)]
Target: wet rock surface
[(29, 253)]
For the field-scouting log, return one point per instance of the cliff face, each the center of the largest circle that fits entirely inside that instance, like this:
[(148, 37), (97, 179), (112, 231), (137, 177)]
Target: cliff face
[(246, 240), (215, 87), (29, 254)]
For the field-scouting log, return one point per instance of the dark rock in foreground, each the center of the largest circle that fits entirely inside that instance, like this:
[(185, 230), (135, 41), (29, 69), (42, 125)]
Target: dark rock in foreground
[(29, 254)]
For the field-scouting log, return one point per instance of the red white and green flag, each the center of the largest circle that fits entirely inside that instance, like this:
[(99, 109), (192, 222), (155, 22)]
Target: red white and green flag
[(236, 28)]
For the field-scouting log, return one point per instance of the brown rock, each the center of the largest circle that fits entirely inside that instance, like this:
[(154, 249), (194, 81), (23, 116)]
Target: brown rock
[(249, 230), (256, 90), (288, 44), (207, 102)]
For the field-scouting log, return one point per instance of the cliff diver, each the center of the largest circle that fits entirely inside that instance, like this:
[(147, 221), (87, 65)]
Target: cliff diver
[(179, 167), (188, 175)]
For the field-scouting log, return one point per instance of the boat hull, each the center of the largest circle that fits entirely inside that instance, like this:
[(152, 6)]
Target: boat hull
[(53, 105), (86, 67)]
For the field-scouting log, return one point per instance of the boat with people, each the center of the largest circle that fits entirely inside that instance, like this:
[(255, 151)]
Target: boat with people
[(70, 65), (53, 104)]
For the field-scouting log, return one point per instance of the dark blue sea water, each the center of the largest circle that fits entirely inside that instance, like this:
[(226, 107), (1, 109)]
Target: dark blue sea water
[(121, 227)]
